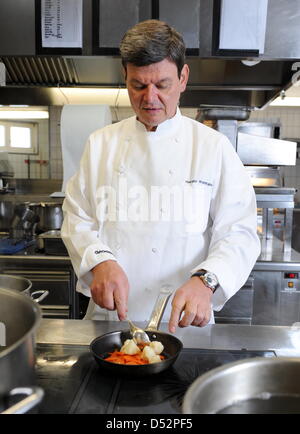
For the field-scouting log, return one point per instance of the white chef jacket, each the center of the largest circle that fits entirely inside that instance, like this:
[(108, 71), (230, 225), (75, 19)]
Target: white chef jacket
[(163, 204)]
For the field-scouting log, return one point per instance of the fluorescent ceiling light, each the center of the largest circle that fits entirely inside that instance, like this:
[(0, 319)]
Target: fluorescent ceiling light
[(111, 96), (24, 114), (288, 101)]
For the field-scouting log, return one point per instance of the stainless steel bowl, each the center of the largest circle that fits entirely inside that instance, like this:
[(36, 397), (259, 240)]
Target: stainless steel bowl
[(20, 317), (18, 283), (255, 386)]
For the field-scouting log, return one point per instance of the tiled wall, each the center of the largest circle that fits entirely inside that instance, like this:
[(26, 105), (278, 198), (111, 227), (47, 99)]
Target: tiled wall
[(289, 120)]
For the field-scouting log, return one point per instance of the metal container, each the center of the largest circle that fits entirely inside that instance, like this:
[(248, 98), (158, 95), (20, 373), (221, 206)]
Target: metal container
[(6, 214), (19, 317), (258, 385), (21, 284), (50, 215)]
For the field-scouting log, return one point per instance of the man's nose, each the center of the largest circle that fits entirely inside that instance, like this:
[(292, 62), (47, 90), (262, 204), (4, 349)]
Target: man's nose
[(150, 93)]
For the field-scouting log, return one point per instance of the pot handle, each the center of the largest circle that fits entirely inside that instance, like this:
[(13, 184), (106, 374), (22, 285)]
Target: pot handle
[(41, 295), (34, 397), (159, 308)]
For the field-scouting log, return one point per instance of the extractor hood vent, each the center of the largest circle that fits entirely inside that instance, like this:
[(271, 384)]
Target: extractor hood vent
[(39, 71)]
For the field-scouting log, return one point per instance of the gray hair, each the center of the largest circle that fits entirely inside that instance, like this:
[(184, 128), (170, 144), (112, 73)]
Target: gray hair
[(152, 41)]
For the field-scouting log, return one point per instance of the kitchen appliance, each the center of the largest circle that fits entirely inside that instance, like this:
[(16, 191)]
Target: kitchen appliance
[(259, 385), (273, 298), (23, 223), (50, 215), (75, 384), (17, 353), (50, 243), (6, 171), (21, 232)]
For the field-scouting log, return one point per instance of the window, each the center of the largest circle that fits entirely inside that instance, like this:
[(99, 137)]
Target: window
[(2, 135), (18, 137)]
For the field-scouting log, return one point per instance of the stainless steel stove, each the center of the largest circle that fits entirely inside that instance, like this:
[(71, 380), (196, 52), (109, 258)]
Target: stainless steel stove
[(74, 384)]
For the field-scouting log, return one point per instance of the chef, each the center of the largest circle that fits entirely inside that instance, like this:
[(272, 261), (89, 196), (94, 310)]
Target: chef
[(159, 199)]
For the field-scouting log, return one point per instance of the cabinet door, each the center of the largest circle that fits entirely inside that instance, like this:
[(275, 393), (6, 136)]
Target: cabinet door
[(114, 18), (184, 17)]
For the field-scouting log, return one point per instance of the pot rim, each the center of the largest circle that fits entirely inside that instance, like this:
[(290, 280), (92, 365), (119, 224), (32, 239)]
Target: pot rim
[(197, 386), (17, 278), (37, 313)]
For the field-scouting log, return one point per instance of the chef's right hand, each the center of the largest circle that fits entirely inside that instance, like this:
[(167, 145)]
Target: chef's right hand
[(110, 287)]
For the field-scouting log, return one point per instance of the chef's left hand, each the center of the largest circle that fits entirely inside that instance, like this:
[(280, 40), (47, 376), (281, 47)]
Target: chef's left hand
[(193, 299)]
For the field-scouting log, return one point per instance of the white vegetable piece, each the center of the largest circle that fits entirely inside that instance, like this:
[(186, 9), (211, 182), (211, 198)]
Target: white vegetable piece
[(130, 347), (155, 359), (148, 352), (157, 347)]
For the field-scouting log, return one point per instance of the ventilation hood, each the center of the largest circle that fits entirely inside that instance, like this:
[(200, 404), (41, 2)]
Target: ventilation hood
[(223, 82)]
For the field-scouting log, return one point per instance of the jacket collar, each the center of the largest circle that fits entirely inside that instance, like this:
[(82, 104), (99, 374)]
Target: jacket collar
[(167, 127)]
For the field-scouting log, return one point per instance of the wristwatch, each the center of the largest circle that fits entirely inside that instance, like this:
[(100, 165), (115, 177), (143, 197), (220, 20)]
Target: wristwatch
[(209, 279)]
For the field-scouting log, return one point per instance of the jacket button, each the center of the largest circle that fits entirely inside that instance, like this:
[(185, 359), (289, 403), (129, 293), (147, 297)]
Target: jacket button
[(121, 170), (154, 250), (170, 172)]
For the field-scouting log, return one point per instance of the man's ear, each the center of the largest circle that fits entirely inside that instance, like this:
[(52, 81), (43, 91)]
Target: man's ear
[(184, 76)]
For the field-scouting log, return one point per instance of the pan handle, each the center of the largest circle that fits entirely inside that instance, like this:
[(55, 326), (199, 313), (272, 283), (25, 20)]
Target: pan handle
[(34, 395), (159, 308)]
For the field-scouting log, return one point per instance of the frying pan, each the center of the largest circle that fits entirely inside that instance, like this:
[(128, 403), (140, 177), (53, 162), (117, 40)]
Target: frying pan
[(102, 345)]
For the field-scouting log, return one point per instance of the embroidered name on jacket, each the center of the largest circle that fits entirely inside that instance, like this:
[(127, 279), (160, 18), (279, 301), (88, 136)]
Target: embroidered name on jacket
[(97, 252), (199, 181)]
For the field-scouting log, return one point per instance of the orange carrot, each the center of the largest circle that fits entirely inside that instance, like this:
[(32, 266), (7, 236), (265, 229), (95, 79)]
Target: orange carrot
[(127, 359)]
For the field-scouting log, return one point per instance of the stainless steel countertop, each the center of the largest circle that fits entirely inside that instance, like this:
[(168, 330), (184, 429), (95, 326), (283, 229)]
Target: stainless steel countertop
[(285, 341), (272, 257), (39, 197)]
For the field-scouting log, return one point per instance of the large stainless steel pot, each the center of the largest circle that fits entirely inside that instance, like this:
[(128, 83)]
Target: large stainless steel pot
[(258, 385), (18, 283), (19, 318), (50, 215), (22, 284)]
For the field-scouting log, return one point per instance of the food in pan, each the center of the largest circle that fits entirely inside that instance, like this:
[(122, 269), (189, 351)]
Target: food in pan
[(141, 354)]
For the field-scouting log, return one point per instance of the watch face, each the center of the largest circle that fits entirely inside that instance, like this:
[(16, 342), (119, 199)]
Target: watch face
[(211, 279)]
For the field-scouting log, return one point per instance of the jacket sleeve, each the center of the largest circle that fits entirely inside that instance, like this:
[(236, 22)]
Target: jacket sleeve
[(80, 229), (234, 245)]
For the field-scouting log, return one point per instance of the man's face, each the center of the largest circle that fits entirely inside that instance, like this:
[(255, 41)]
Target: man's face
[(154, 91)]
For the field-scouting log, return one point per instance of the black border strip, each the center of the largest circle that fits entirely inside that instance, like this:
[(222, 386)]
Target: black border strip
[(156, 15), (39, 49), (96, 49), (155, 10), (216, 51)]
